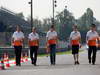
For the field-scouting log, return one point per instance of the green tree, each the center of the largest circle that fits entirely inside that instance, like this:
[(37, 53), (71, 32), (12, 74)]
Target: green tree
[(66, 20)]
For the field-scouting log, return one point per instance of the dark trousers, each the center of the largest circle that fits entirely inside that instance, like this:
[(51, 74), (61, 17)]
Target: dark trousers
[(75, 49), (18, 50), (53, 53), (33, 50), (92, 49)]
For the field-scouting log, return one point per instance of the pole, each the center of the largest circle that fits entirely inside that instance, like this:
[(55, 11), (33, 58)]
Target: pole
[(53, 13), (31, 14)]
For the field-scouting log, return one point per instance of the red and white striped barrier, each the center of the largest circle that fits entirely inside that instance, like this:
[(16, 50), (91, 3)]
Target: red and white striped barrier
[(6, 60), (6, 63)]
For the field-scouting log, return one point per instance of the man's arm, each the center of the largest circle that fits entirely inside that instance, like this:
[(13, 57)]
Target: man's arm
[(12, 41)]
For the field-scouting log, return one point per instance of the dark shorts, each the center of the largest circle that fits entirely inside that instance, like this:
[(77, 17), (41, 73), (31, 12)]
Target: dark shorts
[(75, 49)]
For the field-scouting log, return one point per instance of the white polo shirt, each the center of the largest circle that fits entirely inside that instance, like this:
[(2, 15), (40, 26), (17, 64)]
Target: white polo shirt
[(18, 35), (50, 35), (74, 35), (33, 36), (90, 35)]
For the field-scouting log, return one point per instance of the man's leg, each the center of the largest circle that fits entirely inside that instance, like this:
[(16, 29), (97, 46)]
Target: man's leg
[(74, 54), (19, 55), (35, 54), (89, 54), (54, 54), (16, 55), (31, 54), (77, 58), (77, 54), (94, 55), (51, 54)]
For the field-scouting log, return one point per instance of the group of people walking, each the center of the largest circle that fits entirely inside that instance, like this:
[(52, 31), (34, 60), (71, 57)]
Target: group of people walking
[(51, 41)]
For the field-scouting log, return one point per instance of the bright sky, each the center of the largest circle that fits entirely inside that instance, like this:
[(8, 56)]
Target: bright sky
[(43, 8)]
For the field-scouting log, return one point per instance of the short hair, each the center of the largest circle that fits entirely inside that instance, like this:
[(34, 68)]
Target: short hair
[(93, 25), (52, 26), (75, 26), (18, 26), (34, 28)]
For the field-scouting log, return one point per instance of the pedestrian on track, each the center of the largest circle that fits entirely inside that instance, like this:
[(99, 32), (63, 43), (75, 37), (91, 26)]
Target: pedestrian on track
[(75, 38), (33, 40), (17, 42), (52, 38), (92, 38)]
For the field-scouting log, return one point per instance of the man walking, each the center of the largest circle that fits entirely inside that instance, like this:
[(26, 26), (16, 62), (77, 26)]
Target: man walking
[(91, 39), (51, 43), (17, 42), (75, 38), (34, 45)]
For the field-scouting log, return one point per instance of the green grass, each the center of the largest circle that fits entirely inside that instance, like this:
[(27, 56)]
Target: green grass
[(58, 53)]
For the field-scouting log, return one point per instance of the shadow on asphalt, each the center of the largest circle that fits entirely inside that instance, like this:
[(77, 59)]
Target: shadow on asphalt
[(57, 66)]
